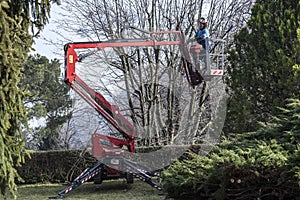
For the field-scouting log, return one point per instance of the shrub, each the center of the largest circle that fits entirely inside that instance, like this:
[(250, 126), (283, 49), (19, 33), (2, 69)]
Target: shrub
[(257, 165)]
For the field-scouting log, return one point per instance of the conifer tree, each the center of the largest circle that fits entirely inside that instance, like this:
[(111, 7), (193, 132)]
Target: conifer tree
[(264, 66), (49, 100), (16, 19), (256, 165)]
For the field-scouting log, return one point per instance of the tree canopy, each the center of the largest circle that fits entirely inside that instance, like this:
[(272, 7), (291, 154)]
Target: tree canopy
[(49, 99), (155, 93), (264, 64)]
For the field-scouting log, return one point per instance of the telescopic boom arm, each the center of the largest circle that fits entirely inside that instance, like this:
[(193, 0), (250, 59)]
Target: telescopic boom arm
[(111, 112)]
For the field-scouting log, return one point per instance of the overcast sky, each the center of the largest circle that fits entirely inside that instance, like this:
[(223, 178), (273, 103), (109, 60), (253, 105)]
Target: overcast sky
[(43, 47)]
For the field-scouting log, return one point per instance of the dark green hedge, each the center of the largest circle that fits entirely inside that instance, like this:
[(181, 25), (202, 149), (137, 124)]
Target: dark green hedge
[(54, 166), (59, 166)]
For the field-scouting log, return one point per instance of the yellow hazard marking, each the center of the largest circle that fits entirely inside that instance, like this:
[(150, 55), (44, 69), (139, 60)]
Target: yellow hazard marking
[(70, 58)]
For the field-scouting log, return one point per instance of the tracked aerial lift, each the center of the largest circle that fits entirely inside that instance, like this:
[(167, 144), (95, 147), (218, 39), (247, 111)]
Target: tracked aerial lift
[(108, 149)]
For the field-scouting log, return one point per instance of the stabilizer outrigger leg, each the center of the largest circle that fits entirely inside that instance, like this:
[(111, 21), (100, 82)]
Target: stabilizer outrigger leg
[(85, 176), (142, 174), (89, 173)]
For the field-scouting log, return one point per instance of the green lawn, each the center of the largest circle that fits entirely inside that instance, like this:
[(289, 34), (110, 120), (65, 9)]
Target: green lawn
[(108, 190)]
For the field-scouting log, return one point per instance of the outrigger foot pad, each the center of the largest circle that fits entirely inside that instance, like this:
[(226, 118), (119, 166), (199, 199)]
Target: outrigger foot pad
[(56, 197)]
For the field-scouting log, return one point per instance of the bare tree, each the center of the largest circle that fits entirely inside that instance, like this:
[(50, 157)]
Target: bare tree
[(77, 132), (155, 93)]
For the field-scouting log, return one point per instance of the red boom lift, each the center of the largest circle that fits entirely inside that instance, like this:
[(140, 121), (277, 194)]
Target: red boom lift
[(106, 147)]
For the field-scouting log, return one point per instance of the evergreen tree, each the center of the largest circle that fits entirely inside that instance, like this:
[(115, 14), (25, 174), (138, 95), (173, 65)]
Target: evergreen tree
[(264, 65), (16, 18), (49, 99), (254, 165)]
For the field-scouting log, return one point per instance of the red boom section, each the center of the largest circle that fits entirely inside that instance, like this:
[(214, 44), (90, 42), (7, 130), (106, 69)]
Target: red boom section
[(111, 112), (193, 76)]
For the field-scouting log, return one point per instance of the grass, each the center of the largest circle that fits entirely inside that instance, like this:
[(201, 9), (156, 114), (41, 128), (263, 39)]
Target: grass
[(108, 190)]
